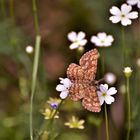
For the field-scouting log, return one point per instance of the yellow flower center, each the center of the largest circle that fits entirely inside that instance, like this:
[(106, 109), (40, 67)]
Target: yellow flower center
[(104, 94), (122, 15)]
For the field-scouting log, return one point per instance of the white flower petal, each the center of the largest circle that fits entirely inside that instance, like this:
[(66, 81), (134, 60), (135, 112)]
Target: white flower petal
[(95, 39), (115, 11), (138, 5), (115, 19), (132, 2), (109, 99), (72, 36), (67, 83), (60, 87), (132, 15), (80, 36), (126, 21), (99, 93), (110, 38), (101, 99), (101, 36), (83, 42), (64, 94), (74, 46), (103, 88), (112, 91), (125, 9)]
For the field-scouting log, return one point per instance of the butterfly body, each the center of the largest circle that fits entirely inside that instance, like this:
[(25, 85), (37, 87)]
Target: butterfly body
[(82, 77)]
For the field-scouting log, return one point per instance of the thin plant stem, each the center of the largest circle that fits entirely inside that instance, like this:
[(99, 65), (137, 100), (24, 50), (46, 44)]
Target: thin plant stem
[(3, 10), (98, 133), (103, 64), (106, 123), (12, 8), (138, 50), (123, 46), (36, 21), (129, 109), (34, 78)]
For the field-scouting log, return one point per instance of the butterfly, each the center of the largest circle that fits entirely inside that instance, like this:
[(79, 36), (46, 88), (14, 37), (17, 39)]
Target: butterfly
[(83, 78)]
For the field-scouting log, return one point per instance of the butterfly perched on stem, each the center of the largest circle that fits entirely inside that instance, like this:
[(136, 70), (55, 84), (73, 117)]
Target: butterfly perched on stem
[(82, 77)]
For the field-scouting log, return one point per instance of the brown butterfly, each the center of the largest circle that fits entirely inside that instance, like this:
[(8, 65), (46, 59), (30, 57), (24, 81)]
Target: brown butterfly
[(83, 78)]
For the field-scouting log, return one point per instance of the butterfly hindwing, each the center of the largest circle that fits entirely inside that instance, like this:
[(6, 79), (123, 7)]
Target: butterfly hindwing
[(77, 91), (91, 100)]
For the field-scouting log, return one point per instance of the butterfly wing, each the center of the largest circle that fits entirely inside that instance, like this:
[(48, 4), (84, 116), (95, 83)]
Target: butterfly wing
[(88, 62), (76, 74), (77, 91), (91, 100)]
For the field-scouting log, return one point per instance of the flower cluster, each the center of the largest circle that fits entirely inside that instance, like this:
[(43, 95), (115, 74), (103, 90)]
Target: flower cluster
[(78, 39)]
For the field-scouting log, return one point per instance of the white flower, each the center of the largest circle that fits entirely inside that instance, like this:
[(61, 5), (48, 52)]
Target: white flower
[(127, 71), (110, 78), (64, 87), (123, 15), (104, 94), (102, 40), (134, 2), (29, 49), (77, 39)]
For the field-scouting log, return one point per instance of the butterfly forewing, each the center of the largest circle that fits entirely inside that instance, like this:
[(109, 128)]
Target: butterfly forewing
[(75, 72), (88, 62)]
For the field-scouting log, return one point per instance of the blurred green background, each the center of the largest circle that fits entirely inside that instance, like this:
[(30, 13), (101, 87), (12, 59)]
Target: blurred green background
[(56, 19)]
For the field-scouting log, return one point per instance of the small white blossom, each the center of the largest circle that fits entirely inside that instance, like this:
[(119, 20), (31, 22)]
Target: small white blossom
[(134, 2), (123, 15), (110, 78), (29, 49), (127, 71), (104, 94), (64, 87), (77, 39), (102, 40)]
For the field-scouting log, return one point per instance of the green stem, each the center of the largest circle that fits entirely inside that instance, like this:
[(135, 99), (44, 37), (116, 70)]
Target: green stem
[(106, 122), (103, 64), (36, 21), (34, 78), (129, 110), (98, 133), (3, 11), (12, 8), (123, 47)]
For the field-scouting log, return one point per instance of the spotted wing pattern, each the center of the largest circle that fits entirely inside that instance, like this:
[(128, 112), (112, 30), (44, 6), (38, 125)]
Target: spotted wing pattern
[(81, 76)]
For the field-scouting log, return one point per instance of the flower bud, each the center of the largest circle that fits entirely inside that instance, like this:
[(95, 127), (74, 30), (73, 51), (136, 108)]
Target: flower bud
[(127, 71)]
